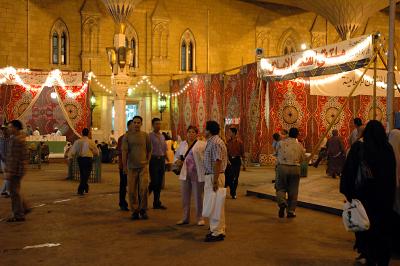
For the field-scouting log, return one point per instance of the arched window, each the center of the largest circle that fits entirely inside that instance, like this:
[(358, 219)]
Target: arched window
[(188, 52), (54, 41), (133, 47), (59, 39), (63, 48), (131, 42), (183, 56), (289, 42)]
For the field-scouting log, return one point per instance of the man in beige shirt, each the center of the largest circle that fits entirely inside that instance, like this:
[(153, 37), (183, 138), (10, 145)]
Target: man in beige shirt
[(85, 149), (136, 151), (290, 154)]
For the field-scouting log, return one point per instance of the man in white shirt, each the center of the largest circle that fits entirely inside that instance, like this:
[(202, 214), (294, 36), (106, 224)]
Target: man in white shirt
[(357, 132), (85, 149), (36, 132), (290, 155)]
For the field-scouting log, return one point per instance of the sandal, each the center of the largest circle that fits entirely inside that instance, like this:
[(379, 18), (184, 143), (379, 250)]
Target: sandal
[(15, 220)]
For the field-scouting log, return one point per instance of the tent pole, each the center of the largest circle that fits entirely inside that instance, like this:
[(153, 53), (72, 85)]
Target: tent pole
[(314, 151), (387, 68), (374, 97), (390, 74)]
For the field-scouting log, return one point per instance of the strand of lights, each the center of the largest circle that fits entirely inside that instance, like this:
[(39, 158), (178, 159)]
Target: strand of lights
[(53, 78), (156, 90), (101, 85)]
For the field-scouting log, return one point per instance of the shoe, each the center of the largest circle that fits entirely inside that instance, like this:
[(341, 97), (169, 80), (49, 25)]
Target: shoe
[(143, 215), (86, 189), (212, 238), (273, 181), (234, 197), (281, 212), (80, 193), (15, 220), (159, 207), (135, 216), (182, 222), (124, 208), (201, 223), (291, 215)]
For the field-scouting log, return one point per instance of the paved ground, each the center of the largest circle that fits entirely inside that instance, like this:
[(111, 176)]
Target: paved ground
[(91, 229)]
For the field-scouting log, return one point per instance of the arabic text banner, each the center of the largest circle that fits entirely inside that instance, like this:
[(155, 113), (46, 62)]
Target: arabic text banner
[(331, 59), (341, 84)]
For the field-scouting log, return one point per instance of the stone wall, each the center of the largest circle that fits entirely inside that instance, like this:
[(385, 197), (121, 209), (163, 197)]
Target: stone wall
[(226, 34)]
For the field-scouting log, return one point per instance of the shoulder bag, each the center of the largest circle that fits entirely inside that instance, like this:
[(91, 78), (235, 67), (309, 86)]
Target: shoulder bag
[(177, 166)]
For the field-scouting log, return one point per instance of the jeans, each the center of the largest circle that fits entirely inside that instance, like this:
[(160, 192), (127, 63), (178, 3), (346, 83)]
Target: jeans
[(232, 173), (85, 168), (123, 182), (157, 172), (287, 182)]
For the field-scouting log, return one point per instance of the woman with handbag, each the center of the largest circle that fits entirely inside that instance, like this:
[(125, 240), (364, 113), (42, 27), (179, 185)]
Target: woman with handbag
[(189, 165), (369, 175)]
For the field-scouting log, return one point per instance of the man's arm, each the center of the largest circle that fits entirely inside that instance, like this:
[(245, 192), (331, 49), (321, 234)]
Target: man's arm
[(217, 169), (149, 147), (124, 148)]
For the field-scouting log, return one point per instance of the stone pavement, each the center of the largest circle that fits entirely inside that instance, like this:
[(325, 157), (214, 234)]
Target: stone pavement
[(91, 229), (317, 191)]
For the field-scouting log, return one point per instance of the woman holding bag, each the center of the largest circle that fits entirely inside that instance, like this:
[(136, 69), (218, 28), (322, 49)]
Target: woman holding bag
[(369, 175), (189, 158)]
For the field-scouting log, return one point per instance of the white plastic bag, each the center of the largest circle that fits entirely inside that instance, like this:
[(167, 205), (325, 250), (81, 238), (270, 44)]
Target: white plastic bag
[(213, 203), (355, 218)]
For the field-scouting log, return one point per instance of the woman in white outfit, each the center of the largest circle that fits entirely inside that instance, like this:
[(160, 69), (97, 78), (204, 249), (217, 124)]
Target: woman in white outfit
[(192, 174)]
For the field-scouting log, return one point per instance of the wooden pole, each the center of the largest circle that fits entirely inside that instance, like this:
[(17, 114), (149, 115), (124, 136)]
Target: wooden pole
[(374, 97), (342, 108), (387, 68), (390, 74)]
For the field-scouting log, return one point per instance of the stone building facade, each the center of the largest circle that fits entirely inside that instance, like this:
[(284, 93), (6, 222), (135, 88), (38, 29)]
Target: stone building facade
[(218, 34)]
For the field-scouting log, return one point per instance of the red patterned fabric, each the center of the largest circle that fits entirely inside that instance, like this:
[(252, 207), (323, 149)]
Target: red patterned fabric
[(46, 112), (365, 112), (326, 109), (19, 100)]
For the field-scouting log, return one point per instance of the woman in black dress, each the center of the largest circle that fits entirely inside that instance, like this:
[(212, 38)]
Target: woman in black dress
[(376, 193)]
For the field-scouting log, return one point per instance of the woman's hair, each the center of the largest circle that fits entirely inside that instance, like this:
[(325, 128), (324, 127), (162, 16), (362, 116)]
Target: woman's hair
[(193, 128), (375, 141)]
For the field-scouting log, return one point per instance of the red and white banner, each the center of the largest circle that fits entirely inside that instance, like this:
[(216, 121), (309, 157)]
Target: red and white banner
[(335, 58)]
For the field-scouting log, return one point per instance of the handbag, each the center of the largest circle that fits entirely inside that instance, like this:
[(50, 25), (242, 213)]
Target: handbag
[(364, 174), (213, 203), (177, 166), (355, 218)]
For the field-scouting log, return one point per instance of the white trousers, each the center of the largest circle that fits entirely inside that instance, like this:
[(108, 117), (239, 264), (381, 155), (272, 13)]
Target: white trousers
[(217, 226)]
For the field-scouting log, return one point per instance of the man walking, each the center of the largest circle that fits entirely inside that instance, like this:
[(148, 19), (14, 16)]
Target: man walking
[(290, 154), (136, 151), (5, 189), (123, 178), (357, 132), (215, 162), (85, 149), (157, 163), (15, 170), (236, 155)]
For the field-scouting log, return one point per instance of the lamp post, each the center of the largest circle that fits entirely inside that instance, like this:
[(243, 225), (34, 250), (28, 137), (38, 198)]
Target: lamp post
[(162, 105), (92, 106)]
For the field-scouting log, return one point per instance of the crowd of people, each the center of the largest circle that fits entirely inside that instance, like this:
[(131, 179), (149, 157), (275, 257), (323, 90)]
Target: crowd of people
[(206, 168)]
